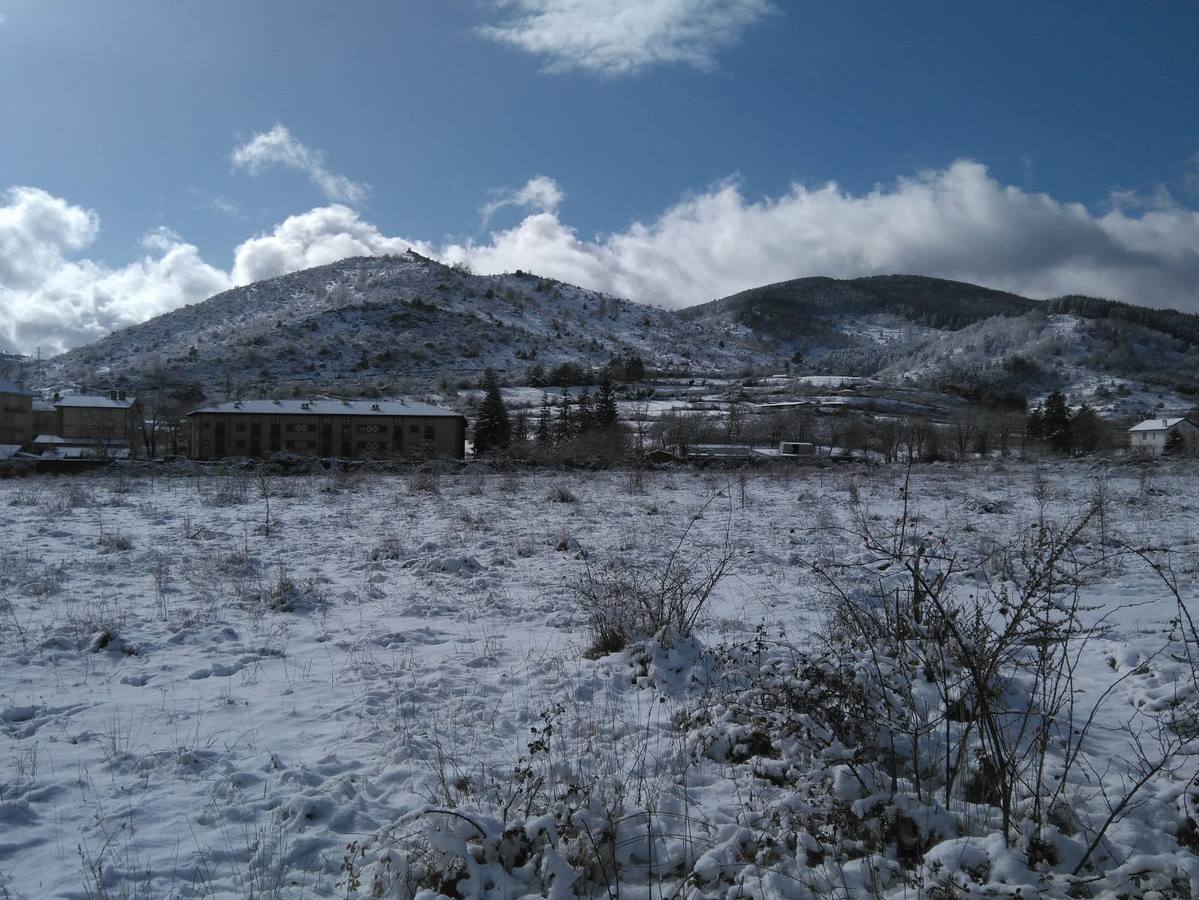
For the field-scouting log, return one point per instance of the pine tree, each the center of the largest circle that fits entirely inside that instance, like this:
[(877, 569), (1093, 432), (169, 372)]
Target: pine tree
[(584, 417), (605, 404), (520, 428), (545, 434), (493, 431), (1175, 444), (1055, 422), (1086, 429), (1034, 428), (565, 429)]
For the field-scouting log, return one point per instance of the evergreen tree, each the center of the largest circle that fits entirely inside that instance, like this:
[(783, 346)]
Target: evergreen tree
[(605, 404), (1034, 428), (1175, 444), (493, 431), (1086, 429), (520, 428), (545, 434), (634, 368), (565, 429), (1055, 422), (584, 417)]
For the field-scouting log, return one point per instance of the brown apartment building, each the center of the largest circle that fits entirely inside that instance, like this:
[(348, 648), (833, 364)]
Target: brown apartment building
[(16, 414), (363, 429), (111, 418)]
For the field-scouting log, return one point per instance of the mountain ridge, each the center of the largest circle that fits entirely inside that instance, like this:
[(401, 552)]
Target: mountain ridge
[(388, 323)]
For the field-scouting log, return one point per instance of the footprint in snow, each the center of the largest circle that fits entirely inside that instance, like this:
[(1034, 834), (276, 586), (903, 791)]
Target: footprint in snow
[(219, 670)]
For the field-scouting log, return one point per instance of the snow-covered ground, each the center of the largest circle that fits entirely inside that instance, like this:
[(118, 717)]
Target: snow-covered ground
[(226, 685)]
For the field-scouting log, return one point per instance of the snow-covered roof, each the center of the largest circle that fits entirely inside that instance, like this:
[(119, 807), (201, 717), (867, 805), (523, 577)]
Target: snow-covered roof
[(57, 440), (94, 401), (327, 408), (1157, 424), (84, 453), (11, 387)]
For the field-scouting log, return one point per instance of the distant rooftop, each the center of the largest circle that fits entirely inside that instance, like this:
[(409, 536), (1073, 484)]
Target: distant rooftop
[(11, 387), (95, 401), (327, 408), (1163, 424), (56, 439)]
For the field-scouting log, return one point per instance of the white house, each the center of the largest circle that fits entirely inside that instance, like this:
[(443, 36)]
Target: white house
[(1149, 438)]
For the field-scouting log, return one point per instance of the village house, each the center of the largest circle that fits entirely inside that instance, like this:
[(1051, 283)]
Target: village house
[(1151, 437), (45, 417), (362, 429), (77, 424), (97, 424), (16, 414)]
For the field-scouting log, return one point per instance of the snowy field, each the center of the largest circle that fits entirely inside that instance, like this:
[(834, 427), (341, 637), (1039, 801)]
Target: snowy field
[(370, 685)]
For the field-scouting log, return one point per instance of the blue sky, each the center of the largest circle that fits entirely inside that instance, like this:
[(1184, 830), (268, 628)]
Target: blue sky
[(668, 150)]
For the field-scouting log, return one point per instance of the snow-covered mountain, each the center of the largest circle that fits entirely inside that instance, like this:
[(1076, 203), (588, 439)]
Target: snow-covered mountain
[(369, 321), (984, 344), (397, 323)]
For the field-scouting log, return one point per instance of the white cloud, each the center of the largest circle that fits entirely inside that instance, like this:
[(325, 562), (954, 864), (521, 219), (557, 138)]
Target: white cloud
[(314, 238), (958, 222), (50, 300), (278, 147), (615, 37), (539, 193)]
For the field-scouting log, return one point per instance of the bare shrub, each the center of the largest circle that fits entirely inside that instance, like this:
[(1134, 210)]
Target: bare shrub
[(929, 710), (231, 490), (561, 493), (627, 598), (389, 548), (288, 595), (474, 482), (28, 498), (425, 481), (113, 542)]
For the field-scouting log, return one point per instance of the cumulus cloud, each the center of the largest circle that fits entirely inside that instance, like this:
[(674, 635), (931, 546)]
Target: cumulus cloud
[(614, 37), (279, 147), (539, 193), (958, 222), (51, 300), (314, 238)]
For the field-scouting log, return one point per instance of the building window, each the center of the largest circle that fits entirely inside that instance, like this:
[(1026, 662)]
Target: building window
[(240, 426), (372, 429), (430, 433)]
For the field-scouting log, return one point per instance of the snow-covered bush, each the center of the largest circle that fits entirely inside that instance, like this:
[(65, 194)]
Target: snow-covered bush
[(627, 597), (941, 705)]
